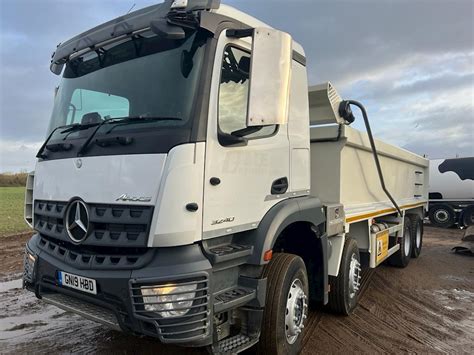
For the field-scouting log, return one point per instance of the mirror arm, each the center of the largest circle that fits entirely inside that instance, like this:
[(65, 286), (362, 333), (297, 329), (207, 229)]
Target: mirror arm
[(246, 131), (226, 139), (240, 33)]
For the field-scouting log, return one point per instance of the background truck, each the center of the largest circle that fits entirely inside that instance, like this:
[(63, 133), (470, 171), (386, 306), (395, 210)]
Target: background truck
[(451, 192), (192, 190)]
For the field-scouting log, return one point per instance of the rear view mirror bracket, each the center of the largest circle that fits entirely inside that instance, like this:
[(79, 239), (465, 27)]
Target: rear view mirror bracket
[(165, 30), (240, 33), (229, 140)]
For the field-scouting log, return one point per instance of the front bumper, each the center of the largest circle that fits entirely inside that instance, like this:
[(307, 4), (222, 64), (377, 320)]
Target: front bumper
[(118, 302)]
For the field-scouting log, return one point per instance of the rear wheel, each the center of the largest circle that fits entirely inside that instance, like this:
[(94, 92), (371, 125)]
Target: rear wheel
[(416, 235), (402, 257), (344, 293), (286, 306), (442, 216)]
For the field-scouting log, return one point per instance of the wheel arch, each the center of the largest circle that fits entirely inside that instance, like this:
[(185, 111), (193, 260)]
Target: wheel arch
[(306, 209), (295, 226), (418, 211)]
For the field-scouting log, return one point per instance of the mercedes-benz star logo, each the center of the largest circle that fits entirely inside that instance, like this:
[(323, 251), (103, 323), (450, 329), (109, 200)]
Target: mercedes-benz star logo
[(77, 221)]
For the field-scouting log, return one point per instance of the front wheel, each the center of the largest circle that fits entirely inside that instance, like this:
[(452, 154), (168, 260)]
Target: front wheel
[(344, 293), (286, 306)]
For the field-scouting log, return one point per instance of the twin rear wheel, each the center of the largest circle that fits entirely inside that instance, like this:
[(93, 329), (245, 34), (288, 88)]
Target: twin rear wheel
[(345, 287), (411, 241), (287, 289), (416, 235)]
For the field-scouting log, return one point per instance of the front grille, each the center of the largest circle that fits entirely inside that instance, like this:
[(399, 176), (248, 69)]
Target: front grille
[(91, 258), (110, 225), (193, 325)]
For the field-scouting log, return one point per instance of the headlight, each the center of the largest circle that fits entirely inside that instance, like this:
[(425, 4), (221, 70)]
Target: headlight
[(169, 300)]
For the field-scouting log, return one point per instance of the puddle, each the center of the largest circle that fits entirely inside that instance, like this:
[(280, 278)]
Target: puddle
[(457, 278), (455, 294), (10, 285)]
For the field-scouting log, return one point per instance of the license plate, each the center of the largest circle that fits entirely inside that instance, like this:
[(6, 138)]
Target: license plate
[(77, 282)]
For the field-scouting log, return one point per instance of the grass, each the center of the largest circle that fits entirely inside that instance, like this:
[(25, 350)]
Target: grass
[(11, 210)]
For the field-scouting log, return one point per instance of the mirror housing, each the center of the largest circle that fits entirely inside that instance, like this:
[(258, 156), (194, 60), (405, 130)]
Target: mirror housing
[(270, 75)]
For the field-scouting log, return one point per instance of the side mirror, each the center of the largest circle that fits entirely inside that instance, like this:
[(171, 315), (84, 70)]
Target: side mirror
[(270, 74)]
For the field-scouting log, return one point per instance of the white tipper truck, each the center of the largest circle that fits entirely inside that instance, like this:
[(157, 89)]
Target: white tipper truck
[(192, 190)]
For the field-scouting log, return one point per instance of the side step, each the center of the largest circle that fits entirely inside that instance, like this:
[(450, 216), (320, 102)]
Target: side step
[(86, 310), (234, 344), (226, 252), (233, 298)]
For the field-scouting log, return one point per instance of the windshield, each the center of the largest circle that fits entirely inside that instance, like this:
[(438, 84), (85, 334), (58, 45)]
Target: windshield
[(142, 77)]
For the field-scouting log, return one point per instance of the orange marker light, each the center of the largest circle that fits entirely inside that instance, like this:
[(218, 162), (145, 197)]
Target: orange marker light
[(268, 255)]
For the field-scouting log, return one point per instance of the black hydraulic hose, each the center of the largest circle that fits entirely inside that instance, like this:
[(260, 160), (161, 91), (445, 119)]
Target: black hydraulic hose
[(374, 152)]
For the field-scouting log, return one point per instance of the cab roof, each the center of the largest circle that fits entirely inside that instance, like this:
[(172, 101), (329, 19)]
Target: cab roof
[(140, 20)]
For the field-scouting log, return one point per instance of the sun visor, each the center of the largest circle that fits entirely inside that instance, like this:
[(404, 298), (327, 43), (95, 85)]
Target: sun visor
[(120, 26)]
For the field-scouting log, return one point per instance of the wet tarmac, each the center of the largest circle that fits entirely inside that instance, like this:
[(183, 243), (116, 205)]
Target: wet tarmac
[(426, 308)]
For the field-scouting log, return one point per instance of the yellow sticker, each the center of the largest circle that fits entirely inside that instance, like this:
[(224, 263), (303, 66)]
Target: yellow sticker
[(382, 246)]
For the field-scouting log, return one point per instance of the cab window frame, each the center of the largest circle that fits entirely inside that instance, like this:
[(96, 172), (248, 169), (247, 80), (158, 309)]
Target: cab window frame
[(219, 130)]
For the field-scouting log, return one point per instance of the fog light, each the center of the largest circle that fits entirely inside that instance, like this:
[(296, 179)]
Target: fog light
[(169, 300)]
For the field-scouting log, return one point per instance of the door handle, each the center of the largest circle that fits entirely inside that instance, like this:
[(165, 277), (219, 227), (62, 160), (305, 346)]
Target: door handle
[(214, 181), (192, 207), (279, 186)]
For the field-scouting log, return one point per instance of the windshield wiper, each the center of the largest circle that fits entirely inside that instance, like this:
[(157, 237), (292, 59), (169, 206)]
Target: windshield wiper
[(56, 147), (123, 121), (142, 119), (67, 129)]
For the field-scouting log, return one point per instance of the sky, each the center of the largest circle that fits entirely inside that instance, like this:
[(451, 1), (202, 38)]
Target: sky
[(411, 62)]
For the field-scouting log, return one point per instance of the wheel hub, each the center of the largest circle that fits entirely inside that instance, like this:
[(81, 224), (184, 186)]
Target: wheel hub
[(407, 241), (354, 276), (441, 216), (296, 311)]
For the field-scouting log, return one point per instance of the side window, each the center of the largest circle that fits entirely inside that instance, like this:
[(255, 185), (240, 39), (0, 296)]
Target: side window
[(234, 92), (87, 101)]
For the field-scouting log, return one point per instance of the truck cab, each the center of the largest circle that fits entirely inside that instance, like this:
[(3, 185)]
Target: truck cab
[(173, 195)]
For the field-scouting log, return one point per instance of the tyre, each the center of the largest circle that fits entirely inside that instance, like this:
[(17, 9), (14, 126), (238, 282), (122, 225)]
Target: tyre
[(468, 216), (286, 306), (416, 234), (402, 257), (442, 216), (344, 289)]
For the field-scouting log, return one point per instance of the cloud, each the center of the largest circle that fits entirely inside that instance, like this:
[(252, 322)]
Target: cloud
[(18, 156), (410, 62)]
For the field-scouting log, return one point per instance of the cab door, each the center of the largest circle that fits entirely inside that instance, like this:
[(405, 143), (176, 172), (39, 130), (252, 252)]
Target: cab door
[(242, 180)]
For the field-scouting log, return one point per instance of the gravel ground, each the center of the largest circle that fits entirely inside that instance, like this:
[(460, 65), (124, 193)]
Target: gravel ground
[(427, 307)]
